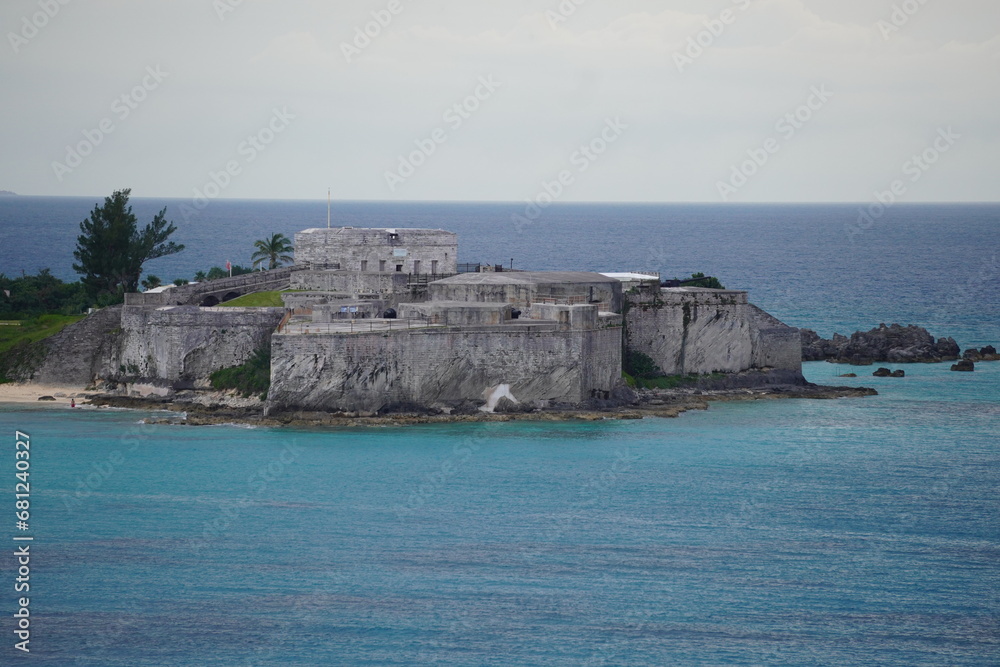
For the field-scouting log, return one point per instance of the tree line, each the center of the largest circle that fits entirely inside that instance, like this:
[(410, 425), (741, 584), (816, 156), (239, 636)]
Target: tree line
[(110, 254)]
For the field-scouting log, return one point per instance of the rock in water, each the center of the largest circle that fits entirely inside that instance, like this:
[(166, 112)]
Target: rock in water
[(972, 354), (46, 398), (505, 406), (964, 366), (894, 344), (882, 373), (899, 374)]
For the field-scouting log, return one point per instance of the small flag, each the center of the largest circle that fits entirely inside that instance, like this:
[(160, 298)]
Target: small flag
[(229, 266)]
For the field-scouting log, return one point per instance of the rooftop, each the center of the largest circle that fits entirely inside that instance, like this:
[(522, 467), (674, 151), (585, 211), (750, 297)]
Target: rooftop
[(388, 230), (526, 278)]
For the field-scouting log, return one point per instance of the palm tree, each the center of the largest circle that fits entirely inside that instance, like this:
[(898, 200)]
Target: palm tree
[(273, 250)]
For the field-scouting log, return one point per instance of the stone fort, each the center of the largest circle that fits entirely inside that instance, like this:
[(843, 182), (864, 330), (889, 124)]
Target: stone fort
[(376, 319)]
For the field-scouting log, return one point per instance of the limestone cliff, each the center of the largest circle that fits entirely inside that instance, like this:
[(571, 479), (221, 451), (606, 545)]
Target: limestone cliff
[(77, 354), (441, 367), (702, 331), (185, 344)]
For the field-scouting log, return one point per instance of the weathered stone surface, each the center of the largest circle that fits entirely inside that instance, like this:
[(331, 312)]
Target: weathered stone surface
[(76, 355), (987, 353), (964, 366), (446, 367), (403, 250), (188, 343), (894, 344), (214, 292), (523, 288), (690, 330), (882, 373)]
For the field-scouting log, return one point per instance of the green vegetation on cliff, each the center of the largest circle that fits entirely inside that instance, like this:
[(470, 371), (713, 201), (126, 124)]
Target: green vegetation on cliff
[(14, 333), (19, 355), (253, 377)]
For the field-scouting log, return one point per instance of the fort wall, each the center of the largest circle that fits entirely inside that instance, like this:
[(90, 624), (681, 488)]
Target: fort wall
[(186, 344), (691, 330), (432, 251), (442, 366)]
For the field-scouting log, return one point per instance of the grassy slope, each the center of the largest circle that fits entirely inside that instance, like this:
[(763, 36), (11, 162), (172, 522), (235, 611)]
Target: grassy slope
[(256, 300), (34, 330)]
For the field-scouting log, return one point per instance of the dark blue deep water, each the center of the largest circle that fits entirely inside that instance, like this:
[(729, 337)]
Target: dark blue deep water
[(848, 532)]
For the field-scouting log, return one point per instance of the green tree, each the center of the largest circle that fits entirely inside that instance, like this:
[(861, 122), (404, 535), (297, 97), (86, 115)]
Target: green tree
[(29, 296), (217, 272), (151, 282), (200, 277), (710, 283), (274, 251), (111, 248)]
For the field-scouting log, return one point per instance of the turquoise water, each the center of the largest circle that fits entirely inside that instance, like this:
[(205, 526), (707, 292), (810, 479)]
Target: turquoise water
[(847, 532), (861, 531)]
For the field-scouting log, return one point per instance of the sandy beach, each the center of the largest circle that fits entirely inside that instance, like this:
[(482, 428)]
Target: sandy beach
[(30, 393)]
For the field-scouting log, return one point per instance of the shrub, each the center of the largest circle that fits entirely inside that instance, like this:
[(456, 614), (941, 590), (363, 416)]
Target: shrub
[(641, 366), (253, 377)]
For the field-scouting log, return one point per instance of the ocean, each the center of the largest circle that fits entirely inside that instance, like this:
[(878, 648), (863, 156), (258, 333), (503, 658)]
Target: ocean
[(791, 532)]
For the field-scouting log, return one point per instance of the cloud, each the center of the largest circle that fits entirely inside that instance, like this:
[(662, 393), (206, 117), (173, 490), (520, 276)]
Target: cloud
[(559, 83)]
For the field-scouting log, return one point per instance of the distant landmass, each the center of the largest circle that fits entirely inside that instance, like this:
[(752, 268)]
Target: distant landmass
[(7, 193)]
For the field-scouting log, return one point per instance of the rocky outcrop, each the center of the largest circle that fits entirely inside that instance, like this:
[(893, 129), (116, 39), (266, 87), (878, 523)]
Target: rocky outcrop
[(988, 353), (704, 331), (892, 344), (886, 373), (964, 366)]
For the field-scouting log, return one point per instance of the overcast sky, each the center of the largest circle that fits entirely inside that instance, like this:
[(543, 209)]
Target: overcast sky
[(666, 119)]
